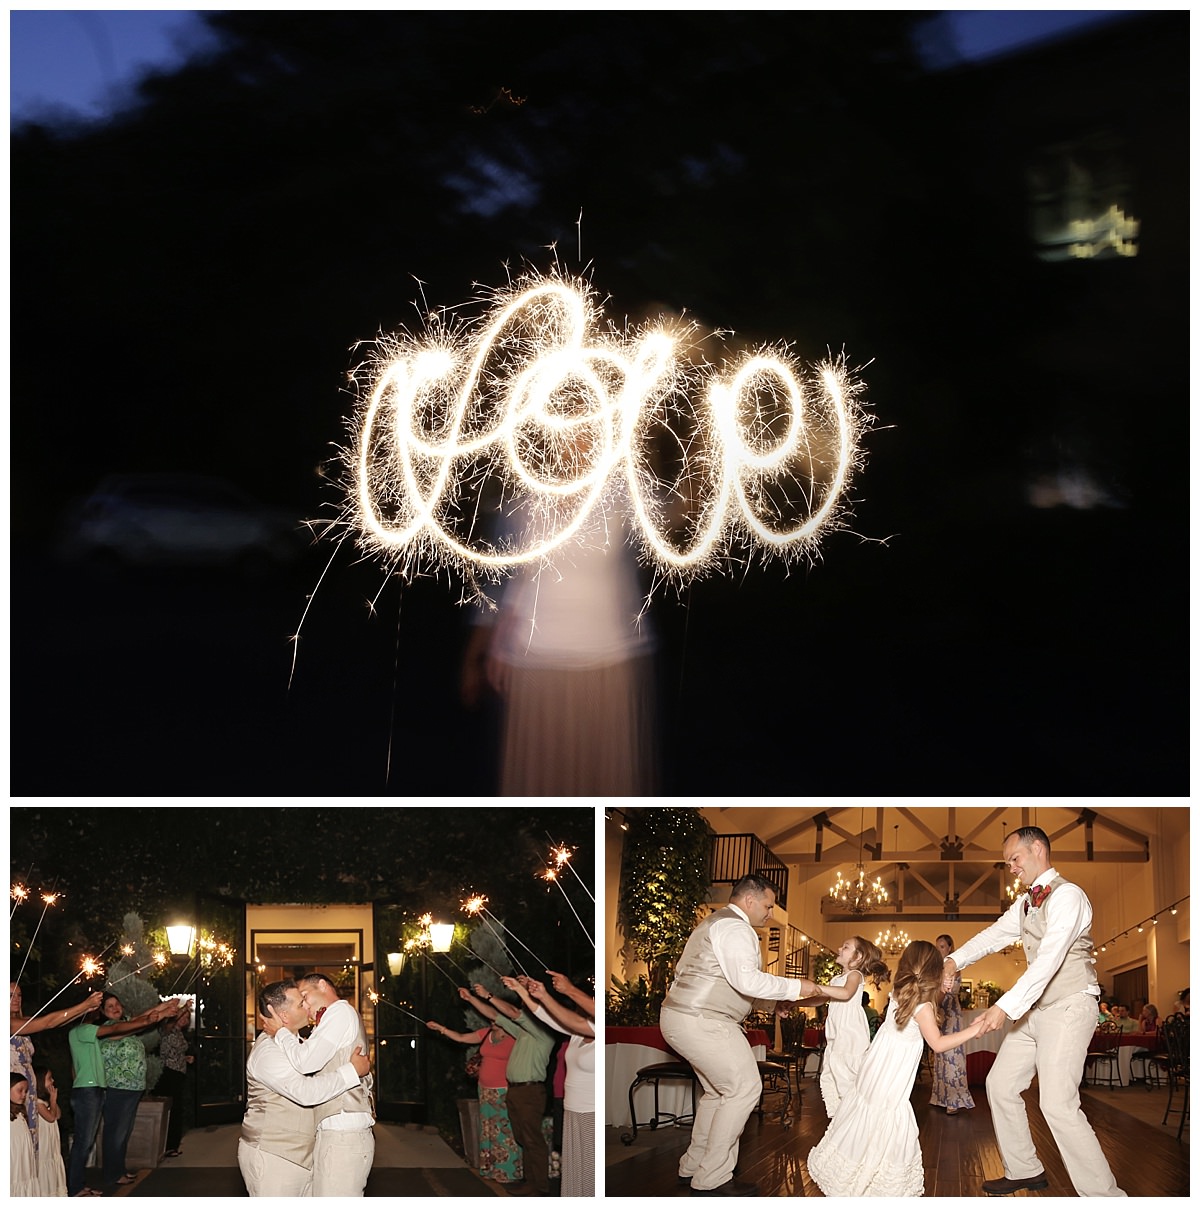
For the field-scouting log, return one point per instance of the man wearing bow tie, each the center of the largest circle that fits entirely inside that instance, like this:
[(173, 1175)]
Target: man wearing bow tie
[(345, 1144), (1053, 1012)]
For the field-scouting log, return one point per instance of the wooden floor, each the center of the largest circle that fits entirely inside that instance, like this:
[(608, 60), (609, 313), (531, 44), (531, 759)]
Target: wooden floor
[(959, 1151)]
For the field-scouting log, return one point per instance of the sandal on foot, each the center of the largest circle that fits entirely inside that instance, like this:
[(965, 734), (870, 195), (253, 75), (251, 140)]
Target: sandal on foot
[(127, 1179), (175, 1152)]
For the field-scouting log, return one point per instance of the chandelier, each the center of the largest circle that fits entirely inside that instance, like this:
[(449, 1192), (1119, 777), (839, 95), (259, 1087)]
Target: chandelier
[(892, 942), (1014, 890), (855, 895)]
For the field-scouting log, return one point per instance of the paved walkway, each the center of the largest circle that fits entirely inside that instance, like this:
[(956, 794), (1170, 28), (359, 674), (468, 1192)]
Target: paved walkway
[(410, 1162)]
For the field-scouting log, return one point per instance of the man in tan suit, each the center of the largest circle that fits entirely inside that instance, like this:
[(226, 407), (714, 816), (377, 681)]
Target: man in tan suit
[(717, 982), (275, 1151), (1053, 1008)]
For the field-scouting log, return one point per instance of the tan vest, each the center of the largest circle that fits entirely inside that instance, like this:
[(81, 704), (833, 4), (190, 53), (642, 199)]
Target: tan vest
[(1077, 970), (700, 986), (276, 1124), (356, 1099)]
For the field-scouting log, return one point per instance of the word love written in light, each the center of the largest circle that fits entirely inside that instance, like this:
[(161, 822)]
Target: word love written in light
[(535, 410)]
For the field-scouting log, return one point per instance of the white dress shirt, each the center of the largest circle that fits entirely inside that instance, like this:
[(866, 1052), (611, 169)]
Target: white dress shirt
[(269, 1066), (340, 1030), (1072, 918), (735, 944)]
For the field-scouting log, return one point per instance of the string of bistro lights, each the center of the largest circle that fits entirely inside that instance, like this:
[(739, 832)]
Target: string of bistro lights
[(1139, 927)]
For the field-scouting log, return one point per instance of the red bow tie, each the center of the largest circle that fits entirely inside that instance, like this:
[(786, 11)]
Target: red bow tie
[(1037, 896)]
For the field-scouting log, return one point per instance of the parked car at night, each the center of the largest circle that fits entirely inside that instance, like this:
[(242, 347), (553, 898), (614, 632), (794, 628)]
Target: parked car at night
[(180, 520)]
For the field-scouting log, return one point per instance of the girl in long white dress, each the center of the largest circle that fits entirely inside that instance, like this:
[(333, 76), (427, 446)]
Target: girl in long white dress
[(51, 1172), (872, 1147), (847, 1033), (22, 1169)]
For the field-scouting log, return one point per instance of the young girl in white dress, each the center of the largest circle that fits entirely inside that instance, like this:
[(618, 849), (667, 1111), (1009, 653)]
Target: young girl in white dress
[(51, 1172), (847, 1033), (871, 1147), (22, 1167)]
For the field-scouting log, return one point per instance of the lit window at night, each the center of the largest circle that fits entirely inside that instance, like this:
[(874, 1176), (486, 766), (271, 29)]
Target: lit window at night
[(1079, 197)]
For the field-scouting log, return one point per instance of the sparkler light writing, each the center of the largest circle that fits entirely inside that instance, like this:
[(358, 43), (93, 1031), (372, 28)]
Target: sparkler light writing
[(534, 406)]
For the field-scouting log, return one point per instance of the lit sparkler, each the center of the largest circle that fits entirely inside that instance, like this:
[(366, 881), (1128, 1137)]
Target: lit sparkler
[(48, 900), (19, 894), (376, 999), (472, 952), (562, 859), (551, 875), (534, 403), (90, 967), (158, 959)]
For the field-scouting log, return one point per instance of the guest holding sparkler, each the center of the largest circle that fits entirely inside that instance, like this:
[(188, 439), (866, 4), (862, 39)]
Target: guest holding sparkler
[(579, 1091), (89, 1089), (20, 1057), (499, 1156), (526, 1099), (173, 1050), (276, 1147), (124, 1059)]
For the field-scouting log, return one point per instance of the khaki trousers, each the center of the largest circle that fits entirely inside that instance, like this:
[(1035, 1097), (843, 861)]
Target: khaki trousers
[(717, 1050), (342, 1163), (270, 1177), (1051, 1041)]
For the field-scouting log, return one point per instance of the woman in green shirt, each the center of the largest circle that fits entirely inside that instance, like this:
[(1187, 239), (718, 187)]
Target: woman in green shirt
[(125, 1082)]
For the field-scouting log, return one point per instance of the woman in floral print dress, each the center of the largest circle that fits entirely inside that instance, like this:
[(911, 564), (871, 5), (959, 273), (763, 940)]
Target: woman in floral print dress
[(950, 1068)]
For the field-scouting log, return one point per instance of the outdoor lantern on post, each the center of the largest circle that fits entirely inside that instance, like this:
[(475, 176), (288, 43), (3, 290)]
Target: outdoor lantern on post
[(180, 938), (441, 936)]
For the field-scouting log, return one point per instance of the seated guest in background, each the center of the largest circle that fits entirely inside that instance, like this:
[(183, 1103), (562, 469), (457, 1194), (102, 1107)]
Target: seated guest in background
[(1149, 1018), (1180, 1005), (1126, 1023)]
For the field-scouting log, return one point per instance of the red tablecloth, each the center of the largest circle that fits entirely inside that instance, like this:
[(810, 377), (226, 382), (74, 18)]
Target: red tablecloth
[(652, 1037)]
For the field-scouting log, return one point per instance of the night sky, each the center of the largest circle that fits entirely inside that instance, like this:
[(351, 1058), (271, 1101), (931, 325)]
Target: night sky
[(1006, 612)]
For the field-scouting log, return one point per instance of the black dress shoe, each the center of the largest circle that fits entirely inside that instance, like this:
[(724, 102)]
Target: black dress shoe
[(743, 1189), (1012, 1185)]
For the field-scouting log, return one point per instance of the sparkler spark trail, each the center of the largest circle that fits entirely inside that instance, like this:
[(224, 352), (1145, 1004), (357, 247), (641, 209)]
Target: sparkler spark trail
[(535, 406), (512, 935), (472, 952), (19, 893), (551, 875), (49, 899), (562, 858), (376, 999)]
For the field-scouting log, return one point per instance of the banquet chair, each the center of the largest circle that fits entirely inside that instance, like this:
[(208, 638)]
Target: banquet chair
[(1102, 1057), (776, 1080), (1175, 1033), (667, 1070), (816, 1048), (1149, 1065), (789, 1052)]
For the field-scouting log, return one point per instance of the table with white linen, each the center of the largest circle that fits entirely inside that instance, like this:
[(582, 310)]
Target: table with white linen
[(627, 1049), (981, 1050)]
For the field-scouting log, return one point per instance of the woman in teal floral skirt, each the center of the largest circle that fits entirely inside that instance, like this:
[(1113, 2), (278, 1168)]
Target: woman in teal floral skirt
[(499, 1153), (950, 1068)]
